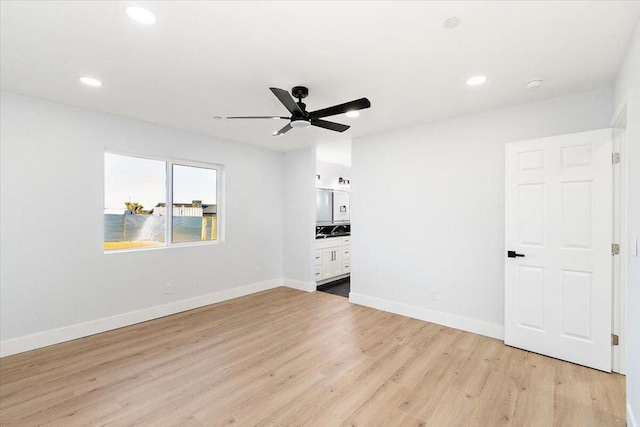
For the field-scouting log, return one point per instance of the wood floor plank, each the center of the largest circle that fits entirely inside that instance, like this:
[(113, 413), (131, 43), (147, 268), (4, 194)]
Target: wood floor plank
[(382, 407), (499, 392), (290, 358)]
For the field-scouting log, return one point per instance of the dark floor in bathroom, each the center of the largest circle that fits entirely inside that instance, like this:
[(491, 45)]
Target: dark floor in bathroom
[(339, 287)]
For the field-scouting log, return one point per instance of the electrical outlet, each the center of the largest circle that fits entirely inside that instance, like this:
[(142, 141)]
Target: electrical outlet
[(434, 294), (168, 288), (257, 271)]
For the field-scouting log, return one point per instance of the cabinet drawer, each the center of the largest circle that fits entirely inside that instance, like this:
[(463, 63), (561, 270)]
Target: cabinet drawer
[(318, 259), (328, 243), (346, 267), (318, 275), (346, 252), (346, 240)]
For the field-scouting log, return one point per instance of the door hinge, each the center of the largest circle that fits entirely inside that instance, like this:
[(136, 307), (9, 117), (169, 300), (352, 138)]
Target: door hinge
[(615, 158), (615, 339), (615, 249)]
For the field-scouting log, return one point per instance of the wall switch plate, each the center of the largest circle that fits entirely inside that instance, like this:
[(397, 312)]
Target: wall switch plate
[(168, 288)]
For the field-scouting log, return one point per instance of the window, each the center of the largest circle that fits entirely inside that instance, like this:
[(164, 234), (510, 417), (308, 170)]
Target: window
[(194, 204), (138, 191), (132, 188)]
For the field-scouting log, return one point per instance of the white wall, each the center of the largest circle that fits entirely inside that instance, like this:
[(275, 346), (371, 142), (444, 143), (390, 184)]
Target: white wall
[(299, 218), (429, 204), (338, 153), (329, 174), (54, 273), (627, 89)]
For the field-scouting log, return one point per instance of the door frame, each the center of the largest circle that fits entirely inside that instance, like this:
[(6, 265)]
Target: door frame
[(619, 233)]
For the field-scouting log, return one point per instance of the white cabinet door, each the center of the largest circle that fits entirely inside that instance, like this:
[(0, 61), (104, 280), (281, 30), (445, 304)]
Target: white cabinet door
[(337, 261), (327, 263), (558, 221), (331, 262)]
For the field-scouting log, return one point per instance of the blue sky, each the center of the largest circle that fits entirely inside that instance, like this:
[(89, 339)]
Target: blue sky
[(142, 180)]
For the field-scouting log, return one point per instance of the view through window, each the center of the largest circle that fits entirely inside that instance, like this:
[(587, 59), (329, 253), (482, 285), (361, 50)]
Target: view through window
[(135, 203), (194, 204)]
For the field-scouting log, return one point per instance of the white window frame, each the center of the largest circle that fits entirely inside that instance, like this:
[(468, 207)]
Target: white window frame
[(169, 163)]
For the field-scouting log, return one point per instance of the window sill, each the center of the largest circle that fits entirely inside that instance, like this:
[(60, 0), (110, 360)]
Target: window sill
[(171, 246)]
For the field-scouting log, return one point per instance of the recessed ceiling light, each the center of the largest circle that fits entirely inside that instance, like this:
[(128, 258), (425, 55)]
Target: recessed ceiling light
[(477, 80), (141, 15), (90, 81), (452, 22), (534, 84), (353, 113)]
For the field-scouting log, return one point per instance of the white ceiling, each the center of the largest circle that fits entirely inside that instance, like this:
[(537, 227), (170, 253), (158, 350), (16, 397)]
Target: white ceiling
[(204, 59)]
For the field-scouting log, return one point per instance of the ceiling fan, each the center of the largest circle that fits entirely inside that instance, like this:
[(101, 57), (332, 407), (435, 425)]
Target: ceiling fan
[(301, 118)]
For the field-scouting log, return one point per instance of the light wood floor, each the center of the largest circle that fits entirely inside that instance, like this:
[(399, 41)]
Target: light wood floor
[(285, 357)]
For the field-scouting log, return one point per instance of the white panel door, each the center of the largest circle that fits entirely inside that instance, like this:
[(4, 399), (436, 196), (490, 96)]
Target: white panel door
[(558, 200)]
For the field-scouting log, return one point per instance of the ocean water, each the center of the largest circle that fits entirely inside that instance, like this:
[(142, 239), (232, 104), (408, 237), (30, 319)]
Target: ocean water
[(129, 228)]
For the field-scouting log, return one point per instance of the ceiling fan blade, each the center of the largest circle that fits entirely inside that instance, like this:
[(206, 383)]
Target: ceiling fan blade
[(338, 127), (257, 117), (358, 104), (284, 130), (287, 101)]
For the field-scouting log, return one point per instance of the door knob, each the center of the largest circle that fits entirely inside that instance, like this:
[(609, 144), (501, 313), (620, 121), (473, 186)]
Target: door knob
[(513, 254)]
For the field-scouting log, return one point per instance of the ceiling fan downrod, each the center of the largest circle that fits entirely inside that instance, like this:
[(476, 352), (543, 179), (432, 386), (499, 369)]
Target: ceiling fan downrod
[(301, 92)]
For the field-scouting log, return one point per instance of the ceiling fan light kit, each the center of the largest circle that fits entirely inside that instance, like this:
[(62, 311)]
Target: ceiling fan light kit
[(301, 118), (299, 122)]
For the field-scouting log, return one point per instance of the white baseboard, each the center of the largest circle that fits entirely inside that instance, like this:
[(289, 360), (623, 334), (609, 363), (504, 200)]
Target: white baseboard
[(299, 284), (631, 419), (81, 330), (451, 320)]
